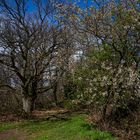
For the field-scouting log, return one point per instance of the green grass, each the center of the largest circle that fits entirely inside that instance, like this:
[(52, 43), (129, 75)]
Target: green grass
[(74, 128)]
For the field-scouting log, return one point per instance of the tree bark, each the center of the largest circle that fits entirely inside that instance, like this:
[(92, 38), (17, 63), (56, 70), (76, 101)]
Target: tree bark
[(28, 104), (29, 93), (55, 94)]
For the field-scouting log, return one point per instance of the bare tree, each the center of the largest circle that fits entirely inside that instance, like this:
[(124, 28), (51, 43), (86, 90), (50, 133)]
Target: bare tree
[(28, 40)]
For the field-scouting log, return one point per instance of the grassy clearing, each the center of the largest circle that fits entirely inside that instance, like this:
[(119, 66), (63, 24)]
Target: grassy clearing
[(74, 128)]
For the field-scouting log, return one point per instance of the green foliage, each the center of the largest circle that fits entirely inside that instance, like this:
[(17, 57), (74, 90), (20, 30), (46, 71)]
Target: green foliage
[(69, 89)]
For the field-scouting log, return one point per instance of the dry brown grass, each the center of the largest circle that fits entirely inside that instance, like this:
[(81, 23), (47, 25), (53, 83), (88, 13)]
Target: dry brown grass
[(127, 128)]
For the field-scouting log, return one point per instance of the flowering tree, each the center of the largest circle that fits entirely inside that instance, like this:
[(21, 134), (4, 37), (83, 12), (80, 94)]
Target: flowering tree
[(109, 76), (106, 86)]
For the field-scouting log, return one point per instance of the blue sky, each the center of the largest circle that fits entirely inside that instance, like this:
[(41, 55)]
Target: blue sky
[(81, 4), (31, 6)]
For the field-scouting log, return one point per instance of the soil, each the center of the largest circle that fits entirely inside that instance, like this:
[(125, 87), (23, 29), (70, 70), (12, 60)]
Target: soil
[(49, 113), (13, 134)]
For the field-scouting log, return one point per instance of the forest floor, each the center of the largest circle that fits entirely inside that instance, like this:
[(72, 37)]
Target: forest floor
[(52, 125)]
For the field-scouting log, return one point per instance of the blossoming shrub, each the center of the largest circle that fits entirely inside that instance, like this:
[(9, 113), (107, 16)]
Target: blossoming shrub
[(107, 85)]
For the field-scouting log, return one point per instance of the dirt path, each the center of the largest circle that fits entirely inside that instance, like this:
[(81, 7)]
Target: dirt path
[(13, 134)]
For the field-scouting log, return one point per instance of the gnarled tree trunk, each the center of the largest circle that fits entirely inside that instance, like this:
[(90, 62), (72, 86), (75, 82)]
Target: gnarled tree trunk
[(29, 97), (28, 104)]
